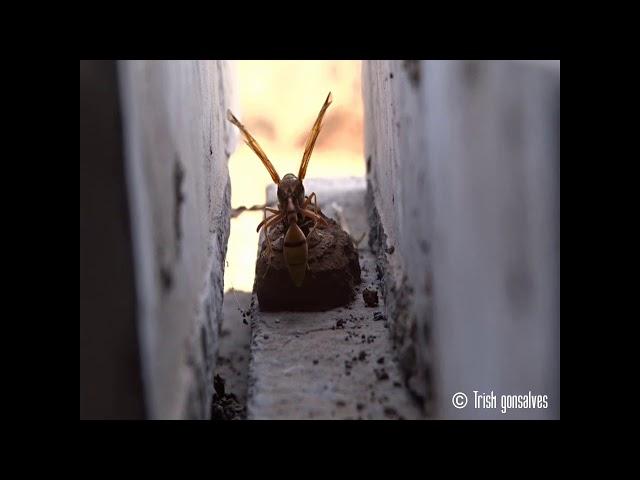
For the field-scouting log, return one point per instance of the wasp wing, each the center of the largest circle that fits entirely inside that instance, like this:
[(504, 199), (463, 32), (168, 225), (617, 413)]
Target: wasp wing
[(311, 141), (249, 140)]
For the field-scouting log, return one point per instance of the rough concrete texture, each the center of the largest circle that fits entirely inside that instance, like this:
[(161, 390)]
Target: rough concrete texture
[(463, 191), (177, 145), (233, 354), (397, 209), (333, 270), (337, 364)]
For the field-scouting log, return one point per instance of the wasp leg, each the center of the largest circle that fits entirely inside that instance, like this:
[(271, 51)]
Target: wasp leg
[(265, 224), (305, 204), (315, 209), (314, 216), (269, 251), (317, 219), (313, 229), (314, 202), (266, 233), (277, 212), (265, 209)]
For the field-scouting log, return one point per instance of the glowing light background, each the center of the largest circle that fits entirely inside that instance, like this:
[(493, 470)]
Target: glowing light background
[(278, 101)]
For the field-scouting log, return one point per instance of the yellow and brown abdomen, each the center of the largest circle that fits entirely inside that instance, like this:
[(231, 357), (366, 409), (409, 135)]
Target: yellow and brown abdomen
[(295, 252)]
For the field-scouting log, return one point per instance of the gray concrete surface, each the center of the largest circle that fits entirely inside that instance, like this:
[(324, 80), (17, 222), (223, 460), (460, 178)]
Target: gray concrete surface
[(177, 143), (463, 191), (338, 364), (235, 338)]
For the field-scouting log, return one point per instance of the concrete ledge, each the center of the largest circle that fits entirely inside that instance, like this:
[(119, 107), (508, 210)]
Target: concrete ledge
[(337, 364)]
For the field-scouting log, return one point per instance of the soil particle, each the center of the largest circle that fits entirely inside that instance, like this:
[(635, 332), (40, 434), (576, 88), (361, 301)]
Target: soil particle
[(370, 297), (381, 374), (390, 412)]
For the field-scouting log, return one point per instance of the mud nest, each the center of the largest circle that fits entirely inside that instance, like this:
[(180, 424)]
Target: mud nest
[(334, 271)]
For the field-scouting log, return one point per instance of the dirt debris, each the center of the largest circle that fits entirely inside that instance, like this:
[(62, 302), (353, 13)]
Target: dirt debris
[(370, 297), (381, 374), (225, 406)]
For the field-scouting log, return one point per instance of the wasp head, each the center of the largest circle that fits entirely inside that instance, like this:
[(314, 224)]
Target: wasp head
[(290, 196)]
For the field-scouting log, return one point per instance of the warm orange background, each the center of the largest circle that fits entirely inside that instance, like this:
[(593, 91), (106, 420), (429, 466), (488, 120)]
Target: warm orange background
[(278, 101)]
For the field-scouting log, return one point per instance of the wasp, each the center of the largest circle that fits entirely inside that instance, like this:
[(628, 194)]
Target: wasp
[(293, 204)]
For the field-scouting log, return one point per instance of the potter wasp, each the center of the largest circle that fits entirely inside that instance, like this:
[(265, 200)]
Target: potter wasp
[(293, 204)]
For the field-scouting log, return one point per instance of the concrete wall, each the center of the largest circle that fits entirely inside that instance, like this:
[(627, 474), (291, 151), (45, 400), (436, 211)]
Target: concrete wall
[(110, 370), (463, 187), (176, 144)]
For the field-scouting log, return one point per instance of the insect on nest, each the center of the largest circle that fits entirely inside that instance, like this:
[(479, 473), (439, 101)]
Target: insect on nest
[(294, 207)]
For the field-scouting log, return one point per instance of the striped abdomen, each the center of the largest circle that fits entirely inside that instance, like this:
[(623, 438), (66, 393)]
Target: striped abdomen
[(295, 253)]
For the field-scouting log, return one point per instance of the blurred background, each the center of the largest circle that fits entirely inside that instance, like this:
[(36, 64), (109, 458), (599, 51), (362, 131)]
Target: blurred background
[(278, 103)]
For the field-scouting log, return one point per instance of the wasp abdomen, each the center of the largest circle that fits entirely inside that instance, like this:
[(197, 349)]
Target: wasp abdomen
[(295, 252)]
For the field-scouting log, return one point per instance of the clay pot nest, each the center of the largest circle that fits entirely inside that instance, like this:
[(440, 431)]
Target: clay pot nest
[(334, 271)]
